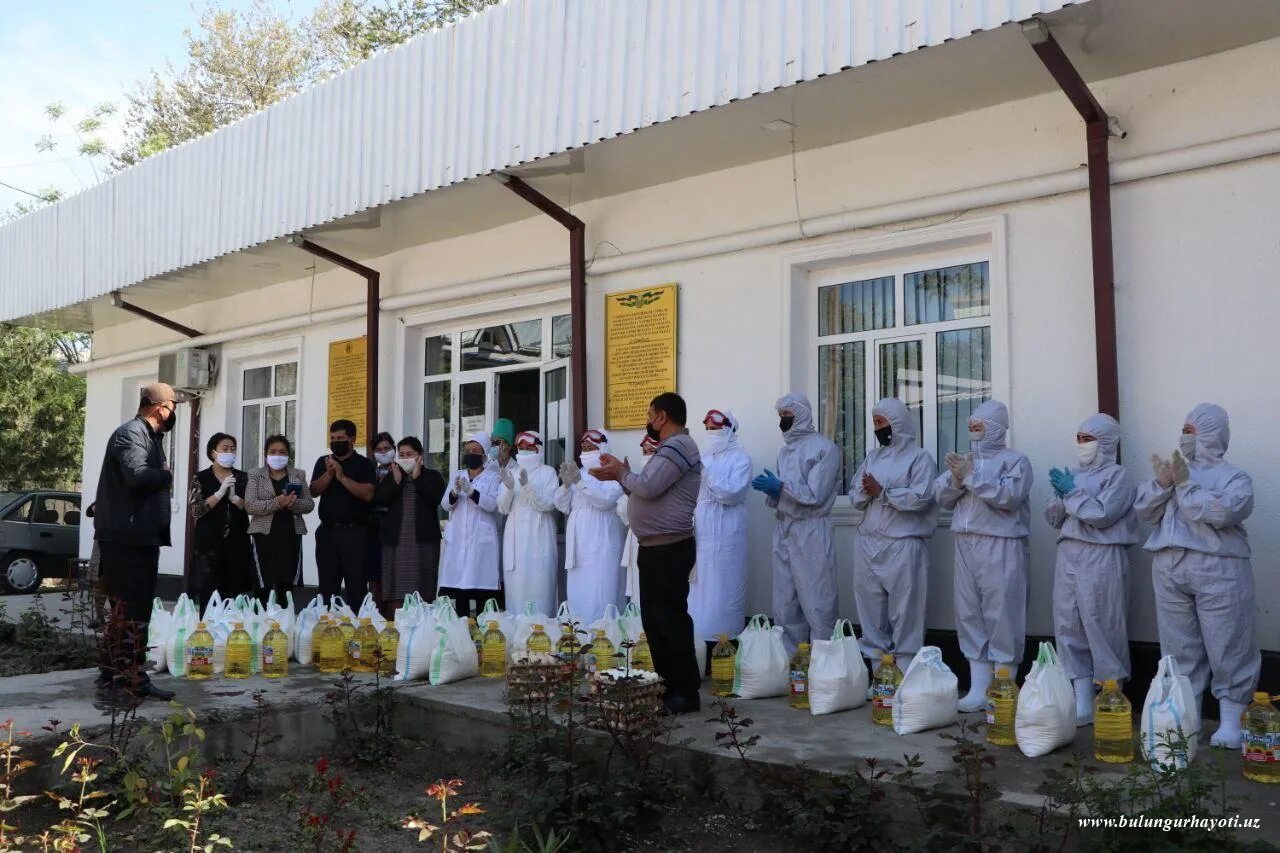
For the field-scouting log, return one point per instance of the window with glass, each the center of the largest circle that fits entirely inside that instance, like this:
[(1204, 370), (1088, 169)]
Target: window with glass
[(921, 335), (268, 406)]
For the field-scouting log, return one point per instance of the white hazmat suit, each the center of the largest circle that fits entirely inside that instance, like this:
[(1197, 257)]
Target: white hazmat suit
[(805, 593), (718, 592), (529, 551), (471, 554), (593, 541), (1096, 525), (1201, 570), (991, 522), (890, 582)]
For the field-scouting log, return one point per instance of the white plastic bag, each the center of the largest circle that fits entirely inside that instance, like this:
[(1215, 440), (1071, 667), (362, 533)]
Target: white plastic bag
[(181, 625), (369, 610), (339, 608), (926, 699), (1046, 717), (1171, 712), (522, 626), (762, 667), (157, 631), (282, 615), (417, 641), (303, 627), (837, 676), (700, 654), (454, 656), (248, 610), (412, 602), (630, 625)]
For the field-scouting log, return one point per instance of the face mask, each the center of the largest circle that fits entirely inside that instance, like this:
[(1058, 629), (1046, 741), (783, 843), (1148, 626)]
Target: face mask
[(226, 460), (385, 457), (169, 421), (407, 463), (277, 463), (472, 461), (340, 448), (884, 435), (652, 432), (1187, 444), (786, 422), (1086, 452), (528, 460), (976, 435), (590, 459)]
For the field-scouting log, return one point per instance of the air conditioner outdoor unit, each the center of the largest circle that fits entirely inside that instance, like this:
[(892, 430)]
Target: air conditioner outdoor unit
[(186, 370)]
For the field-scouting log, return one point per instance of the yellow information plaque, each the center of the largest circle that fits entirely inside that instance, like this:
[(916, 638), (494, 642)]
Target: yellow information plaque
[(640, 352), (347, 384)]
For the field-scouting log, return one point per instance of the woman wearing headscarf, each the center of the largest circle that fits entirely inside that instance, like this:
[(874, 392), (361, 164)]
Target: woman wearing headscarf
[(529, 550), (470, 562), (593, 535), (718, 591)]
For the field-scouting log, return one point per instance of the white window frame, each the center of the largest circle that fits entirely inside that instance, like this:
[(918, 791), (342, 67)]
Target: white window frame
[(236, 360), (840, 261), (254, 454)]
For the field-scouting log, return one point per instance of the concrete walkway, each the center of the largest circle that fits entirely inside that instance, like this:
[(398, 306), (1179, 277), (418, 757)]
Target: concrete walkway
[(475, 711)]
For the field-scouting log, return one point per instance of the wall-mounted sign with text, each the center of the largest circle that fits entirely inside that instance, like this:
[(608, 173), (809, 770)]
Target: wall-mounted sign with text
[(640, 352)]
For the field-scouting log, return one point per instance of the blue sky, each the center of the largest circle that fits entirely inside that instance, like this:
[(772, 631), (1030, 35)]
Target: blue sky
[(81, 53)]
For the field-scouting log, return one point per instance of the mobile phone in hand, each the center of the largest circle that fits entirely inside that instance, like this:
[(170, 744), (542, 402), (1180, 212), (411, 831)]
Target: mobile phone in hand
[(293, 488)]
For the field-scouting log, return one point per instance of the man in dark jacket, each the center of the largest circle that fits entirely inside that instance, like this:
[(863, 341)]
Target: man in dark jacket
[(131, 524)]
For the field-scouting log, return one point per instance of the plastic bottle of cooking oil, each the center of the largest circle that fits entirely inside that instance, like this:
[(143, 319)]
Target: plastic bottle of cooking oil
[(602, 655), (333, 655), (316, 633), (884, 690), (476, 636), (723, 657), (800, 678), (275, 652), (1260, 744), (1112, 725), (493, 658), (364, 646), (200, 654), (1002, 708), (348, 641), (641, 656), (539, 641), (389, 645), (239, 653)]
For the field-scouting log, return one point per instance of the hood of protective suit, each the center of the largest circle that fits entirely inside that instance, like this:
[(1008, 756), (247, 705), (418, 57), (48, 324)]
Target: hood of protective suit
[(798, 405), (1213, 432), (725, 438), (1107, 430), (899, 417), (481, 438), (995, 419)]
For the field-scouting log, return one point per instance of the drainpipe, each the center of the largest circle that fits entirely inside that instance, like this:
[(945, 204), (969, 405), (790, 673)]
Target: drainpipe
[(577, 301), (372, 296), (1097, 131), (193, 430)]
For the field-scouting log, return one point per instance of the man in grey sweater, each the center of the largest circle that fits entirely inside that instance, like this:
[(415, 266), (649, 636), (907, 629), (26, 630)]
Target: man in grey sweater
[(660, 509)]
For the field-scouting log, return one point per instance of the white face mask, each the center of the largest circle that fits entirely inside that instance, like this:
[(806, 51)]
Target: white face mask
[(277, 463), (1187, 444), (717, 440), (407, 463), (385, 457), (1086, 452), (976, 435), (528, 460), (590, 459), (226, 460)]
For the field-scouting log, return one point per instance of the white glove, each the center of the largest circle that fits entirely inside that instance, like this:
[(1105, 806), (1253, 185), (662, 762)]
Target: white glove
[(462, 486), (524, 477), (228, 486), (507, 479), (569, 473), (1163, 469), (1180, 471), (960, 465)]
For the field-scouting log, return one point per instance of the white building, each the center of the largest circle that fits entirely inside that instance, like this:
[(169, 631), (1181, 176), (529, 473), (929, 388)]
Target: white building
[(856, 198)]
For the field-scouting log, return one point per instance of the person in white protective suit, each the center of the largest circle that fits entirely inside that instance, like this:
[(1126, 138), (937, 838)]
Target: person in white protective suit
[(805, 594), (1092, 508), (470, 563), (631, 545), (529, 552), (988, 488), (1201, 567), (718, 591), (593, 536), (893, 489)]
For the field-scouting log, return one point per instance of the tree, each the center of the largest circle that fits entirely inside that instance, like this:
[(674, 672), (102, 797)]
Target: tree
[(41, 409)]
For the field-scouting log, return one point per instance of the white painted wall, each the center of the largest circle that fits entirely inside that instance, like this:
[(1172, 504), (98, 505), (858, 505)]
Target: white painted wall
[(1196, 261)]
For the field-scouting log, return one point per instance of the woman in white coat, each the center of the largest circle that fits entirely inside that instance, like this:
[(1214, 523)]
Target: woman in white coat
[(529, 552), (718, 592), (470, 562), (593, 536), (631, 548)]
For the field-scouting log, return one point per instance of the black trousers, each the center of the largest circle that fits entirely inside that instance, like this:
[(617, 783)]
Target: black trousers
[(226, 567), (664, 606), (462, 599), (129, 579), (279, 561), (340, 561)]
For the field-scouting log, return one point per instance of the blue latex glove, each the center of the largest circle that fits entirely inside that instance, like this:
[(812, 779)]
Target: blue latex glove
[(768, 483), (1062, 481)]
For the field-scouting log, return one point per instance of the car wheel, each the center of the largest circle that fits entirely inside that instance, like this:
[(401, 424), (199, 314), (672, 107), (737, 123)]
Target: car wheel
[(21, 573)]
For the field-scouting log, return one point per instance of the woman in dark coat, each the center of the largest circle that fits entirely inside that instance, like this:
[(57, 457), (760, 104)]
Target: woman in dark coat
[(410, 529), (221, 556)]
